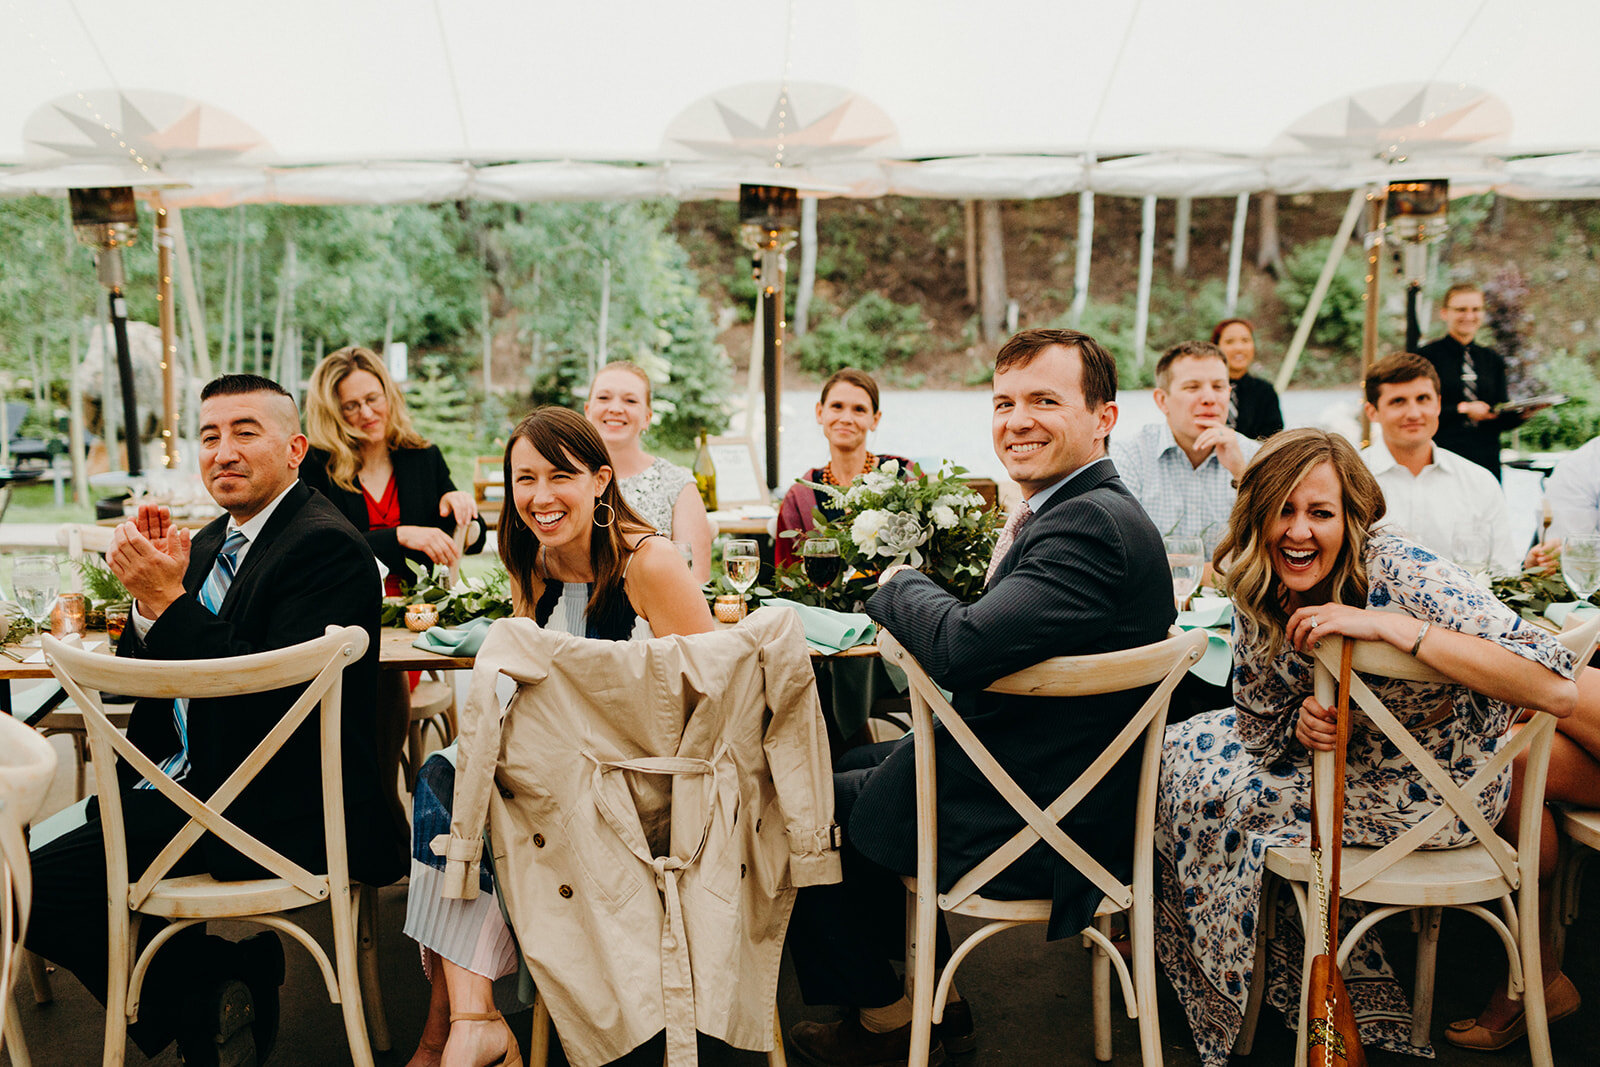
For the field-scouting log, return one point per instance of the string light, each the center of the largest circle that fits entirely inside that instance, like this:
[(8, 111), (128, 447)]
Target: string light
[(61, 72), (783, 88)]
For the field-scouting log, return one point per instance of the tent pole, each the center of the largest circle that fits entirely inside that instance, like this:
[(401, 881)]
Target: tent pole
[(1180, 239), (992, 272), (169, 333), (969, 217), (773, 262), (1376, 203), (1080, 274), (1241, 210), (1147, 258), (808, 265), (193, 316), (1308, 319)]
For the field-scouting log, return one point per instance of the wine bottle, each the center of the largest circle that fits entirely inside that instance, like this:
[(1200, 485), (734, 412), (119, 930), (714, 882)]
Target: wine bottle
[(705, 475)]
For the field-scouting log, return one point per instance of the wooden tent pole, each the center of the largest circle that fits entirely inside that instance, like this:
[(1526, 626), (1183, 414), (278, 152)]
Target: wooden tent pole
[(169, 333)]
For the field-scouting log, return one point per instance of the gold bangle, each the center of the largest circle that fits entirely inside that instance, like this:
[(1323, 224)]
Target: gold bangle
[(1426, 626)]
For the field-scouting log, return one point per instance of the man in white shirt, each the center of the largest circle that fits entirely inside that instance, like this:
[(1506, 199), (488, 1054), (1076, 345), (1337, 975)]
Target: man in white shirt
[(1435, 497), (1183, 470)]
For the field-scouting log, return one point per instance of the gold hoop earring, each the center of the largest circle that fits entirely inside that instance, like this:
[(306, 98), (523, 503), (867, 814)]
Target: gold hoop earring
[(611, 514)]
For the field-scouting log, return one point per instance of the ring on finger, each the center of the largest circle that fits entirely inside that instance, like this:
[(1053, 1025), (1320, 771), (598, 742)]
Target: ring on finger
[(1313, 622)]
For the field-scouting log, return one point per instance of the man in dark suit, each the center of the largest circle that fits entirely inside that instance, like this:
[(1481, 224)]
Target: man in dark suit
[(278, 569), (1472, 382), (1078, 569)]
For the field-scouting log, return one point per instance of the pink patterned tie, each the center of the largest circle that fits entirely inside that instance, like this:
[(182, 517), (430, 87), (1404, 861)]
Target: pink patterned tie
[(1008, 537)]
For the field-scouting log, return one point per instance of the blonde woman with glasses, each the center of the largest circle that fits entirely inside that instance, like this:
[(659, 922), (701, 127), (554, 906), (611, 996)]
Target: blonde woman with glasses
[(378, 471)]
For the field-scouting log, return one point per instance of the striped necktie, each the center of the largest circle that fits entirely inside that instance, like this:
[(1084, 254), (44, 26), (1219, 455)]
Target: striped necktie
[(1469, 374), (212, 593), (1233, 406), (1007, 538)]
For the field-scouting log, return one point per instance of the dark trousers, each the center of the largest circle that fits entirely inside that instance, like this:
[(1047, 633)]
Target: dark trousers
[(69, 924), (844, 937)]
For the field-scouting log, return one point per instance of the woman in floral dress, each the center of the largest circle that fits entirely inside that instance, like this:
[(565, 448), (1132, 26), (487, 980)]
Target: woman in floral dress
[(1299, 557)]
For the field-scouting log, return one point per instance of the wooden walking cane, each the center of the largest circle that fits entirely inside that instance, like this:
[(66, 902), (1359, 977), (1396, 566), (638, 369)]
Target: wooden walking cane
[(1331, 1036)]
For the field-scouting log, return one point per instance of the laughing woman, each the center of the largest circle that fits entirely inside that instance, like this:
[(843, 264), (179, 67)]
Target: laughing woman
[(1301, 562), (583, 562)]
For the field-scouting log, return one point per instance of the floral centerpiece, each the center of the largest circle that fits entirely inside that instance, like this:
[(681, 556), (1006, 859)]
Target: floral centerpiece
[(487, 596), (934, 522)]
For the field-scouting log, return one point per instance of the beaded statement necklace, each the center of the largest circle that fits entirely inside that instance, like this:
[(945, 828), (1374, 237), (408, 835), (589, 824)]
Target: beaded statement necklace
[(827, 469)]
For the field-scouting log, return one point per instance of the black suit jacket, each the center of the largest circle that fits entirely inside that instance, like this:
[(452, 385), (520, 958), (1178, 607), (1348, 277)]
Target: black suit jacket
[(307, 570), (1478, 441), (1087, 574), (421, 477)]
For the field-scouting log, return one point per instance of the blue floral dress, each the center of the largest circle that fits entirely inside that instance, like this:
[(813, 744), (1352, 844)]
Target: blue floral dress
[(1236, 782)]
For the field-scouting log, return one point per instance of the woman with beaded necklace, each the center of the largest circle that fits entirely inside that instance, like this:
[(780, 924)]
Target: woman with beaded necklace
[(847, 412)]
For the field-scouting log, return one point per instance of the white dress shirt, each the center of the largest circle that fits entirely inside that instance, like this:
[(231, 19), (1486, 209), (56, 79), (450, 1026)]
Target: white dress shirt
[(1573, 493), (251, 530), (1450, 493)]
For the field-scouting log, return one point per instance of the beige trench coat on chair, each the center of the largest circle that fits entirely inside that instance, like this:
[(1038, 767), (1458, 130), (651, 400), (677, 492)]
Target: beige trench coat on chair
[(652, 806)]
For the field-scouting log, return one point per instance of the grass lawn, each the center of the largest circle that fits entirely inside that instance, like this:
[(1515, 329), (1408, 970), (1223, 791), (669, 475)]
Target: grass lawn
[(37, 503)]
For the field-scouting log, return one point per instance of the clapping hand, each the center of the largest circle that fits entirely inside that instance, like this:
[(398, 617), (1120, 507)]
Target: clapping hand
[(150, 556)]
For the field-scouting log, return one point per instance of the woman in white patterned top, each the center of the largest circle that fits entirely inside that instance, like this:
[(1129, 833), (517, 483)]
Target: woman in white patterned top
[(663, 493)]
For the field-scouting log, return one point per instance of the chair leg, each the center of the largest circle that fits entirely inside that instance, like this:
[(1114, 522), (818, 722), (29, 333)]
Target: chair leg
[(13, 1045), (367, 951), (39, 977), (1427, 965), (539, 1035), (1258, 970), (920, 963), (1311, 947), (80, 761), (1143, 937), (1533, 1004), (346, 969), (777, 1057), (413, 756), (121, 931), (1100, 991)]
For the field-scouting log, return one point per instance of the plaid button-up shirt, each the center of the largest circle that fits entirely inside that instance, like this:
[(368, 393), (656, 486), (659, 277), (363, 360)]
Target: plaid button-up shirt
[(1182, 500)]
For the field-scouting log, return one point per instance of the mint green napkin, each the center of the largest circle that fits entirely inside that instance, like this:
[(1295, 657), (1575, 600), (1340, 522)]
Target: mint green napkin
[(830, 631), (1204, 614), (1578, 610), (462, 641)]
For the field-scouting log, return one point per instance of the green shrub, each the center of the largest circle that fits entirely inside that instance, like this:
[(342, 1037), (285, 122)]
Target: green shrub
[(873, 332), (1573, 423), (1339, 321)]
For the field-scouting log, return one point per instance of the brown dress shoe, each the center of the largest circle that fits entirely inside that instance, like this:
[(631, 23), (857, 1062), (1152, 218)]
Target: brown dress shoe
[(847, 1043)]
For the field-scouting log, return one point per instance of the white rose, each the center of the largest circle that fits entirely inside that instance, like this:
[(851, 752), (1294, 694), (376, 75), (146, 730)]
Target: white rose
[(877, 483), (865, 529), (891, 468), (944, 518)]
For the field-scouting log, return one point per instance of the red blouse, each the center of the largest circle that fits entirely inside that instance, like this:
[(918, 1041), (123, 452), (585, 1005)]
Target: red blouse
[(384, 515)]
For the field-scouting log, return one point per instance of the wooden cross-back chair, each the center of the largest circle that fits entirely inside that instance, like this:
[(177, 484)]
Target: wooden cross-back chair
[(1404, 876), (27, 764), (1161, 665), (186, 900)]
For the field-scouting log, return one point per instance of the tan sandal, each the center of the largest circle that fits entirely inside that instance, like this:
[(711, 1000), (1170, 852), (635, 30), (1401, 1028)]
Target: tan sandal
[(513, 1053), (1561, 999)]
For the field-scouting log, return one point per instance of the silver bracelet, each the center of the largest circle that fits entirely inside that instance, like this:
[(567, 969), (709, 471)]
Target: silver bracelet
[(1420, 635)]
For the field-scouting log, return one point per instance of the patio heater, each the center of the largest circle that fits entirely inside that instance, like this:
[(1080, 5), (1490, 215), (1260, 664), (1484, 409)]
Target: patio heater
[(107, 221), (1418, 216), (769, 225)]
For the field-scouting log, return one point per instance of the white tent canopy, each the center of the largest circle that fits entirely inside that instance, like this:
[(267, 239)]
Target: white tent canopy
[(224, 101)]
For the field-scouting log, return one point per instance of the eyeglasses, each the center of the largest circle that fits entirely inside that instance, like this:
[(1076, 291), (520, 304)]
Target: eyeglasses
[(375, 401)]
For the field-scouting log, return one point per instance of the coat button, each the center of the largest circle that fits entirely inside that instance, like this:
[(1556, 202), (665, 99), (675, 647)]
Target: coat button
[(565, 891), (538, 841)]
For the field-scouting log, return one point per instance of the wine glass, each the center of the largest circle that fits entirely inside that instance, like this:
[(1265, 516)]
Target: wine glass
[(1472, 549), (1580, 564), (820, 556), (36, 580), (1186, 556), (741, 561)]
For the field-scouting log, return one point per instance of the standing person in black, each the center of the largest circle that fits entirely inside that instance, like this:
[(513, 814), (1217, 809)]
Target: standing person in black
[(1080, 568), (1253, 407), (1472, 380), (277, 570)]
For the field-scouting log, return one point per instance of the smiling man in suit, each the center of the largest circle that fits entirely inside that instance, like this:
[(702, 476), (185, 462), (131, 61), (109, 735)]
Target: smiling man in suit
[(1079, 568), (278, 569)]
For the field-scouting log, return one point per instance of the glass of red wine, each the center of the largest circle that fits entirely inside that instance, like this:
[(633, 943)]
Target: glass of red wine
[(820, 557)]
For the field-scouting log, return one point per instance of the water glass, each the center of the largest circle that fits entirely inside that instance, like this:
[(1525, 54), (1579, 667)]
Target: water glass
[(1580, 564), (35, 581), (741, 561), (1472, 549), (1186, 557)]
